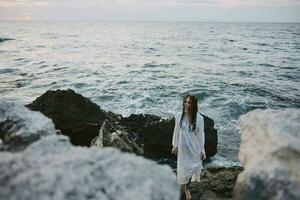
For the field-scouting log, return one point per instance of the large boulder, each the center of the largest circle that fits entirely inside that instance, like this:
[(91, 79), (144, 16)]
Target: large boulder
[(110, 136), (219, 180), (52, 168), (156, 133), (74, 115), (270, 155), (20, 127)]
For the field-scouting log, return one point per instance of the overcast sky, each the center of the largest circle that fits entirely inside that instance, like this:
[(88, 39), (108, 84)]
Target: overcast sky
[(152, 10)]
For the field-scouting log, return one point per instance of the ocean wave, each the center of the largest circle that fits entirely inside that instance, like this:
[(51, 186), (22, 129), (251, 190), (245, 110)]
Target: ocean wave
[(154, 65), (8, 70), (19, 59), (278, 97), (5, 39), (267, 65), (218, 161), (261, 43), (238, 107)]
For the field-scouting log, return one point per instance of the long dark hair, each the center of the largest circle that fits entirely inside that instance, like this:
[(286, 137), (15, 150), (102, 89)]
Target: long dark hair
[(192, 113)]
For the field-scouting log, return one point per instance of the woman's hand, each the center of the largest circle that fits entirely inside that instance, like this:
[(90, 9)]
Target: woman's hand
[(202, 156), (174, 150)]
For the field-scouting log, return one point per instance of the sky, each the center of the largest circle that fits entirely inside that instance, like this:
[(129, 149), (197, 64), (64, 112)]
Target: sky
[(151, 10)]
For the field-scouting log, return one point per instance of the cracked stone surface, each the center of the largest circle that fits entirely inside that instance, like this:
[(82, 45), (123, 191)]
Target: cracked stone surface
[(52, 168), (19, 126), (270, 155)]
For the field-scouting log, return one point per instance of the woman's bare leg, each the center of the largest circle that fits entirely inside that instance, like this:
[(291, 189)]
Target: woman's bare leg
[(187, 190), (182, 189)]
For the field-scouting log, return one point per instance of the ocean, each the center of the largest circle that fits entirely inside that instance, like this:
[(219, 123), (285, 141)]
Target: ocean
[(147, 67)]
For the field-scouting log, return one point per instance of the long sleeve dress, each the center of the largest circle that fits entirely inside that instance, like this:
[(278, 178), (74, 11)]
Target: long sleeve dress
[(190, 145)]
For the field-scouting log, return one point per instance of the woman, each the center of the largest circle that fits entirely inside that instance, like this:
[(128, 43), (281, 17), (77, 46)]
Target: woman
[(188, 143)]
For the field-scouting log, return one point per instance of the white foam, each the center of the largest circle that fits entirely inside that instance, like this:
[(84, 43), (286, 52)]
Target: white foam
[(218, 161)]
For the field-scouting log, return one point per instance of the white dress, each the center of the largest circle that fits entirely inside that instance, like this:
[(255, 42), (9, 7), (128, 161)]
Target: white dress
[(189, 163)]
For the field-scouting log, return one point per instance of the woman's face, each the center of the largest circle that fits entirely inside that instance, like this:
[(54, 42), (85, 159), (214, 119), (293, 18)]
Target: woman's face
[(187, 104)]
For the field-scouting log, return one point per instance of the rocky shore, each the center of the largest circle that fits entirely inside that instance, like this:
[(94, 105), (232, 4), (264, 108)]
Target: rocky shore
[(36, 163), (87, 124), (76, 150)]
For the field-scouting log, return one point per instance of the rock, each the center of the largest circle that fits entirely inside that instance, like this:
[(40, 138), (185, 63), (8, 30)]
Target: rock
[(74, 115), (211, 137), (155, 133), (209, 195), (172, 163), (20, 127), (52, 168), (2, 147), (270, 155), (111, 136), (220, 181), (157, 138), (136, 123)]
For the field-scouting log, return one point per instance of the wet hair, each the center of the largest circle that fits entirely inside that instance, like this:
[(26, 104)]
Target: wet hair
[(192, 113)]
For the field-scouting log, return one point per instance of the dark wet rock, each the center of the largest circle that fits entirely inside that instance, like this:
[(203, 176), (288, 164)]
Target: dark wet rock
[(211, 137), (270, 155), (155, 133), (110, 136), (74, 115), (52, 168), (172, 163), (136, 123), (218, 182), (209, 195), (20, 127)]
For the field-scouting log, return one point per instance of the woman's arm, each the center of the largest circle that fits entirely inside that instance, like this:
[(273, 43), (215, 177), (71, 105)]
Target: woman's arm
[(202, 137), (175, 136)]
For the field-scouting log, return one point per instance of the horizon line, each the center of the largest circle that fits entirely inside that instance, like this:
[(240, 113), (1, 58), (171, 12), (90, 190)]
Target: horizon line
[(149, 21)]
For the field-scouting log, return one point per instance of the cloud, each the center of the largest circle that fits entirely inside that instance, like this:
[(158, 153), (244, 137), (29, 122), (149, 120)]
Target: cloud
[(151, 10), (272, 3), (221, 2), (226, 3), (182, 2), (22, 3), (37, 3)]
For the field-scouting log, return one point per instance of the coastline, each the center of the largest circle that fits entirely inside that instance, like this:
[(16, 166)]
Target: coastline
[(92, 132)]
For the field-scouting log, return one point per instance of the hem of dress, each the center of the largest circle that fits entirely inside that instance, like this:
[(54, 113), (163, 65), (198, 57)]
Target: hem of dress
[(190, 177)]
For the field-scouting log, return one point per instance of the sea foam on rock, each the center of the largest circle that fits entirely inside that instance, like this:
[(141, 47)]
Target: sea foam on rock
[(270, 155), (20, 127)]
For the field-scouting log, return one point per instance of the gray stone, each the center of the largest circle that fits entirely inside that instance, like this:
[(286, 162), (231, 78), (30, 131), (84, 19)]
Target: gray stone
[(20, 127), (110, 136), (52, 168), (270, 155)]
